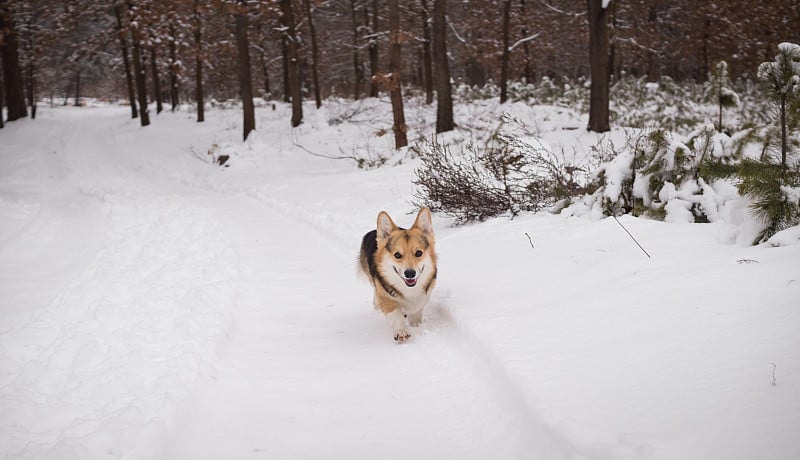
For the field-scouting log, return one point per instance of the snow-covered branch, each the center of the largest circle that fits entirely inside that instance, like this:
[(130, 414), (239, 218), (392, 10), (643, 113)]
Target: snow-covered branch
[(560, 11), (523, 40)]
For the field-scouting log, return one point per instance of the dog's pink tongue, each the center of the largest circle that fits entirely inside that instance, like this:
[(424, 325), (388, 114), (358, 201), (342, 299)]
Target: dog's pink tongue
[(410, 283)]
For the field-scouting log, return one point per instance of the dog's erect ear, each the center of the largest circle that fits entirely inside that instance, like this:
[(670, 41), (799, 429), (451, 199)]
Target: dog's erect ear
[(424, 222), (385, 225)]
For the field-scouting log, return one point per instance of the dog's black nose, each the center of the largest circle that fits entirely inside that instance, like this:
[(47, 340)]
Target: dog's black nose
[(410, 273)]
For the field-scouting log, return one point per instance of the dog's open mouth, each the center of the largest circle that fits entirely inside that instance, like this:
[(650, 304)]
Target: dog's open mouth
[(410, 282)]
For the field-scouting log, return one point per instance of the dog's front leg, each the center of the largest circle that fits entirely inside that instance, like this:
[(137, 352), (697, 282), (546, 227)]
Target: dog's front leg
[(415, 319), (398, 322)]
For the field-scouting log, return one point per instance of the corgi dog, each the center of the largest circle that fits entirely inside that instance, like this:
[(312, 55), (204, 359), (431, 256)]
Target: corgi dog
[(401, 266)]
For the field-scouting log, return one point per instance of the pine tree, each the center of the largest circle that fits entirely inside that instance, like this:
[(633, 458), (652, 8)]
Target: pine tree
[(781, 79), (719, 90)]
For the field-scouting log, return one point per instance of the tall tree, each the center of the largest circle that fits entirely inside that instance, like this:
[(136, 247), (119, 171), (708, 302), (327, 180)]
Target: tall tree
[(427, 61), (12, 75), (358, 67), (123, 43), (2, 102), (314, 54), (139, 71), (295, 89), (77, 87), (29, 50), (373, 47), (173, 67), (198, 60), (599, 65), (504, 56), (245, 82), (395, 78), (444, 96), (159, 97)]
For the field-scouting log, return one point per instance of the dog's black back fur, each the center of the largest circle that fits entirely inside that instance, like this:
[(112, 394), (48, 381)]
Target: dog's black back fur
[(369, 246)]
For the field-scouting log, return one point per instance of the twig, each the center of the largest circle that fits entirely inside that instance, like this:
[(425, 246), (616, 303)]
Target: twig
[(529, 239), (634, 239), (326, 156)]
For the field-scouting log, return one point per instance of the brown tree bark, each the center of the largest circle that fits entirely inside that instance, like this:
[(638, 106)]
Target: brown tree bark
[(198, 73), (395, 80), (2, 102), (126, 61), (599, 66), (245, 81), (358, 67), (78, 88), (287, 88), (373, 49), (12, 75), (173, 76), (156, 80), (314, 54), (444, 96), (526, 48), (427, 60), (30, 72), (504, 56), (295, 89), (139, 75)]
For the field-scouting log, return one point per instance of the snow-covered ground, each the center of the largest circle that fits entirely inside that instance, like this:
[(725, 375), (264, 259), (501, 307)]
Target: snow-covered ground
[(156, 305)]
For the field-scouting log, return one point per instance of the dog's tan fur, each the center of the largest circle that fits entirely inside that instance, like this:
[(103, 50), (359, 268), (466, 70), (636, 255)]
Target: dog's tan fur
[(388, 253)]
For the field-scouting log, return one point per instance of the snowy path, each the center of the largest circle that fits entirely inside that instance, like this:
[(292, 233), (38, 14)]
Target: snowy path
[(311, 372), (162, 272), (157, 306)]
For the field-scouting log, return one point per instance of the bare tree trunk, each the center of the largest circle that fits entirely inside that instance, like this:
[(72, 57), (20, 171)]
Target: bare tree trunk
[(30, 74), (526, 48), (357, 66), (245, 82), (139, 75), (173, 62), (287, 91), (704, 64), (395, 80), (30, 84), (314, 54), (373, 49), (295, 88), (2, 102), (156, 80), (598, 62), (12, 76), (265, 71), (427, 61), (198, 73), (505, 54), (126, 61), (444, 96), (78, 88)]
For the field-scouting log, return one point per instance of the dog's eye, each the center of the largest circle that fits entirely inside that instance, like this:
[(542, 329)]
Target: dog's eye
[(397, 255), (418, 253)]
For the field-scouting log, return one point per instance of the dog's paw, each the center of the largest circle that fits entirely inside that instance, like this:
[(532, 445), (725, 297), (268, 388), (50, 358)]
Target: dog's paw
[(401, 335)]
